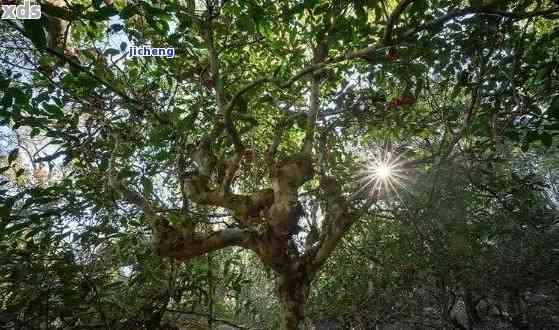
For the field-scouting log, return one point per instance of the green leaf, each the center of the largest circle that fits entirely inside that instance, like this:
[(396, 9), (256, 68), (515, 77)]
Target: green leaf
[(42, 97), (552, 127), (148, 186), (243, 105), (111, 52), (153, 11), (56, 11), (6, 209), (129, 11), (54, 110), (7, 100), (34, 29), (553, 110), (418, 7), (546, 139), (116, 28), (17, 227), (13, 155), (532, 136), (102, 14), (19, 96), (97, 3)]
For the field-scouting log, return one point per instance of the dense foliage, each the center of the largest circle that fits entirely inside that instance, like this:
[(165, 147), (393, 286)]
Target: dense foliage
[(310, 164)]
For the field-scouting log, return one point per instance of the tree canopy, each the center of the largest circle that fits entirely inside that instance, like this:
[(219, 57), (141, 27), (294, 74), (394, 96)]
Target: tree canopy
[(383, 163)]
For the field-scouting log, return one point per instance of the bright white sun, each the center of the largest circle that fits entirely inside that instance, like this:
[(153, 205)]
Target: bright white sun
[(382, 172)]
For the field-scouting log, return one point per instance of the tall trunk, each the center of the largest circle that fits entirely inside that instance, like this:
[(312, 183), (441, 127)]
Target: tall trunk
[(293, 292)]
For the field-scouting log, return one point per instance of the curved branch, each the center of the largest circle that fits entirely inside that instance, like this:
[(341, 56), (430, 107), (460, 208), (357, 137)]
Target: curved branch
[(393, 19), (282, 126), (366, 52), (338, 218), (183, 243), (245, 89), (244, 207), (179, 242), (320, 54), (65, 59), (483, 10), (224, 109)]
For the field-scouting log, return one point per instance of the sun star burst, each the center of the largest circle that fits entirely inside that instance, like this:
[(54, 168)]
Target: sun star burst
[(382, 173)]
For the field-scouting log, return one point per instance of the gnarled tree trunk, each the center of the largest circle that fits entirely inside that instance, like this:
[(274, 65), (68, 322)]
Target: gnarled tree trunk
[(293, 292)]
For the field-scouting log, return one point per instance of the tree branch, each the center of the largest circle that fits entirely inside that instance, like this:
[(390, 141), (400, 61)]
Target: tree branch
[(184, 242), (487, 10), (338, 218), (180, 242), (245, 208), (245, 89), (224, 109), (79, 67), (521, 16), (320, 55), (393, 19), (280, 129)]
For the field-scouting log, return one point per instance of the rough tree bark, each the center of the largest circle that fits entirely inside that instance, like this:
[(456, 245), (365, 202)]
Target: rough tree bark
[(293, 292), (266, 219)]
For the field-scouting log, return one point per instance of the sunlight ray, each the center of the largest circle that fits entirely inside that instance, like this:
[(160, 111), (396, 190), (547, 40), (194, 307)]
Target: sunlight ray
[(382, 172)]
